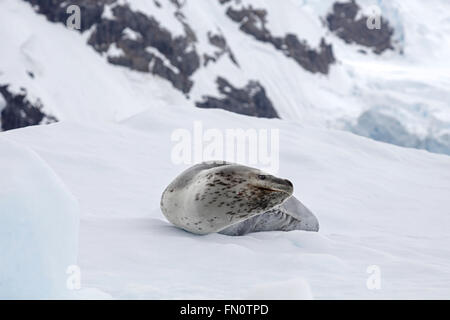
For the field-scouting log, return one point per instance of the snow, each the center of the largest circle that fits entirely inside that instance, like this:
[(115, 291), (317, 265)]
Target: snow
[(108, 13), (131, 34), (294, 289), (165, 61), (39, 227), (377, 204), (2, 103), (114, 51), (164, 14), (411, 87)]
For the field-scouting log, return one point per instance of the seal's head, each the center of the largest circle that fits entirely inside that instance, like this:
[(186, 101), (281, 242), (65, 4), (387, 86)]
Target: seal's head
[(240, 192), (210, 197)]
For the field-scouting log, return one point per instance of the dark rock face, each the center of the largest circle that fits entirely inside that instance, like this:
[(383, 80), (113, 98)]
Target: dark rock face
[(173, 58), (219, 41), (253, 22), (19, 112), (344, 23), (177, 51), (250, 100), (55, 10)]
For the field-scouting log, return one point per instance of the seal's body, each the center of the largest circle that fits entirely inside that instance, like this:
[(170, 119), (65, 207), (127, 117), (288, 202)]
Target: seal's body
[(220, 196)]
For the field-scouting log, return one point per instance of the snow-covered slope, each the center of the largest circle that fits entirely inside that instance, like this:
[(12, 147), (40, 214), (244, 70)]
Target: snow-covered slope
[(377, 204)]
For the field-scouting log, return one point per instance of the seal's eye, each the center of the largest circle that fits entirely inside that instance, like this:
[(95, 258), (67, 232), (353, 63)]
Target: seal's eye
[(261, 176)]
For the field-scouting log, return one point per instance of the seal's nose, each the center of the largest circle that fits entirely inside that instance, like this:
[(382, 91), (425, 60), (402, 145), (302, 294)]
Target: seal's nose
[(286, 186), (289, 183)]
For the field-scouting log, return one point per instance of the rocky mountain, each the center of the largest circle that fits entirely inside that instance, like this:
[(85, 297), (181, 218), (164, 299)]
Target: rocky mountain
[(313, 62), (345, 22)]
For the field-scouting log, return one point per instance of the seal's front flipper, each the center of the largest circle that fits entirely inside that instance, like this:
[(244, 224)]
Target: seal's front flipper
[(291, 215), (304, 218)]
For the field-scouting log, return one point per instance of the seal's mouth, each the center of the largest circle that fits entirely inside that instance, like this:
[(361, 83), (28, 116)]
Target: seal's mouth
[(268, 189), (271, 189), (284, 187)]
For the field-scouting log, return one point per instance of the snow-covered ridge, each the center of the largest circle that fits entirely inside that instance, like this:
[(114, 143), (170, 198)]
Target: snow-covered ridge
[(190, 45), (39, 227)]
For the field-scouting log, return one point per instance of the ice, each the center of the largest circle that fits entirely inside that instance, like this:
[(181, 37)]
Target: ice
[(39, 227), (377, 204)]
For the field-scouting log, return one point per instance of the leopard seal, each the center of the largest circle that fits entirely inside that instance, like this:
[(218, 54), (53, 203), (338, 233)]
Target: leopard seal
[(233, 199)]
